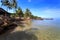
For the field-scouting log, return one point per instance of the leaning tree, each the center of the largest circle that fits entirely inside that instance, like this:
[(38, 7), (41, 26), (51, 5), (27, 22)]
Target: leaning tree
[(9, 3)]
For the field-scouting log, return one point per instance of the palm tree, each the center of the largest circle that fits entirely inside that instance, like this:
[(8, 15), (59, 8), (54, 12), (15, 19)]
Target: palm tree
[(27, 13), (19, 12), (9, 3)]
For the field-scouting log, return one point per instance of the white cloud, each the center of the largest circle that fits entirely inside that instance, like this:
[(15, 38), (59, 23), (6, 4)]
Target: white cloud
[(29, 0), (47, 12)]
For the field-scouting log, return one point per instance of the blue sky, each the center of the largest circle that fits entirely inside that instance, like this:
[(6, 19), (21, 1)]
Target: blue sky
[(43, 8)]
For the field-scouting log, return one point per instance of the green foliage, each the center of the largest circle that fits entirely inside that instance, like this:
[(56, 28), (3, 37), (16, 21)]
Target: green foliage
[(9, 3), (19, 12), (27, 13), (12, 15)]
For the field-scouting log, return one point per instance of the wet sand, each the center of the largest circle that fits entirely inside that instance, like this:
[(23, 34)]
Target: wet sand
[(18, 34)]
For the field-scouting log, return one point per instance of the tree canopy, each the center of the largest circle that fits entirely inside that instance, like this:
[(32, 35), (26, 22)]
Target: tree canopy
[(19, 12), (9, 3), (27, 13), (13, 4)]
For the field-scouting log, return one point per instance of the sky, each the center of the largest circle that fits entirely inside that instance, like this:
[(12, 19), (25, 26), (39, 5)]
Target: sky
[(41, 8)]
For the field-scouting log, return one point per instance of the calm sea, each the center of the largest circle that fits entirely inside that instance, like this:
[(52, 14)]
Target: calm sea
[(43, 24), (46, 29)]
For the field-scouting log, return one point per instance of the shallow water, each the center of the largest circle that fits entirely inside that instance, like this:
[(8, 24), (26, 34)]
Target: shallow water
[(46, 23), (46, 29), (40, 30)]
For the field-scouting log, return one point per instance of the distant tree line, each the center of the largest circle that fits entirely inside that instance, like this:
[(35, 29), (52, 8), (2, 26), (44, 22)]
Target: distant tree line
[(12, 4)]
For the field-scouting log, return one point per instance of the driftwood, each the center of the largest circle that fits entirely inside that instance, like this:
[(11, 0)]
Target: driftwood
[(5, 28), (6, 22), (6, 25)]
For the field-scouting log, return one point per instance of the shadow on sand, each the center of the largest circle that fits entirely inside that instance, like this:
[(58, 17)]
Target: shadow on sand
[(18, 36)]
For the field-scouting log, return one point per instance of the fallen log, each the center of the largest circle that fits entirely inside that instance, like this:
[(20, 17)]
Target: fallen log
[(5, 28)]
